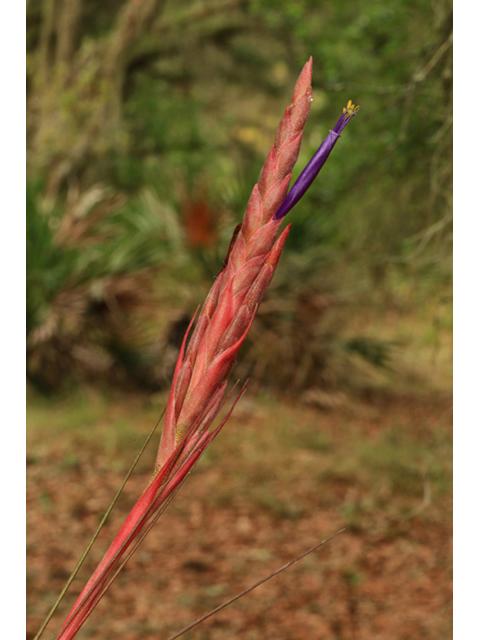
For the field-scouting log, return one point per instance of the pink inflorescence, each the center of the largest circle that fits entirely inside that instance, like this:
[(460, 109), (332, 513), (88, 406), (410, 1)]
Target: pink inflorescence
[(199, 379), (203, 365)]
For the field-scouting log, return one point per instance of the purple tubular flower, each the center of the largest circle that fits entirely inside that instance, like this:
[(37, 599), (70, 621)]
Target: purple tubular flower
[(312, 169)]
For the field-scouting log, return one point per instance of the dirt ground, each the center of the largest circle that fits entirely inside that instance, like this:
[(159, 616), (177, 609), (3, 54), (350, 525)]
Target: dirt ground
[(277, 480)]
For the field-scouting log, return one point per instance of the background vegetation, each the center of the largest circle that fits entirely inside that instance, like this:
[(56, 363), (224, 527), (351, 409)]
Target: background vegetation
[(147, 125)]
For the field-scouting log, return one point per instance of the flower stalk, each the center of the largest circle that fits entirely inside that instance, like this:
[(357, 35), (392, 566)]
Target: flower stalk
[(200, 378)]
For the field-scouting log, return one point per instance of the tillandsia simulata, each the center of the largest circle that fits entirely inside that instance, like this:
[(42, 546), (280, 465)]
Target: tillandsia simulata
[(208, 354)]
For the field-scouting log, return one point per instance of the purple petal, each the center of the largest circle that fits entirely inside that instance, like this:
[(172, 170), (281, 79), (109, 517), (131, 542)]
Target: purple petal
[(312, 169)]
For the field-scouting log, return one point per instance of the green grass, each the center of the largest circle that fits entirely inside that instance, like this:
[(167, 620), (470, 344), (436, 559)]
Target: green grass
[(90, 423)]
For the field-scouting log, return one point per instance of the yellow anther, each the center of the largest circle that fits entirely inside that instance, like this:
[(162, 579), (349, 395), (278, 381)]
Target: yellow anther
[(350, 109)]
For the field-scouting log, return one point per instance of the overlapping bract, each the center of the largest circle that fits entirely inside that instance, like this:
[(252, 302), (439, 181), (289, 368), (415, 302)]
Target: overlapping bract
[(238, 289), (202, 368)]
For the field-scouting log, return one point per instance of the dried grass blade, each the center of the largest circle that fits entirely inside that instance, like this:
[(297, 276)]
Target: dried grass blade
[(97, 532), (254, 586)]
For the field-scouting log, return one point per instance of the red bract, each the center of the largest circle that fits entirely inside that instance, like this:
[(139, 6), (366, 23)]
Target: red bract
[(201, 372), (232, 302)]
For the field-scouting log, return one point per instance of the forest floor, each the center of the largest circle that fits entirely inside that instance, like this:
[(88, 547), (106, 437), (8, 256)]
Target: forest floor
[(278, 479)]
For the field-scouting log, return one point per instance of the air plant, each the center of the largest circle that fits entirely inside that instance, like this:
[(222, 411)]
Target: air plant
[(206, 357)]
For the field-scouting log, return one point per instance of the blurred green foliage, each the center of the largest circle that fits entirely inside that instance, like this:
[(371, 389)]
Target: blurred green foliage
[(147, 125)]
